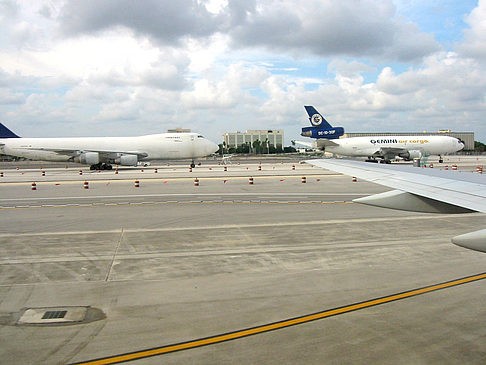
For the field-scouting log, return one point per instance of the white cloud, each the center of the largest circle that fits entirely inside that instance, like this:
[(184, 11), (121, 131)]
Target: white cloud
[(474, 44), (227, 92), (328, 28), (217, 66), (8, 97)]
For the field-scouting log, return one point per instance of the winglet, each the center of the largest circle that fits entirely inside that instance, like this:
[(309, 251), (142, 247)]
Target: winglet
[(6, 133)]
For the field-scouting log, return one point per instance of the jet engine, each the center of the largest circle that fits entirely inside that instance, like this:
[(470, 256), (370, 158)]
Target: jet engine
[(127, 160), (89, 158), (410, 155)]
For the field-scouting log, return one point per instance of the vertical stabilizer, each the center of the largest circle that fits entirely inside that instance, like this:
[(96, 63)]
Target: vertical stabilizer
[(320, 127), (6, 133), (316, 118)]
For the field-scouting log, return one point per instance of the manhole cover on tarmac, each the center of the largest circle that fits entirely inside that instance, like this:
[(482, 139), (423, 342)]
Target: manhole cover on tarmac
[(59, 315)]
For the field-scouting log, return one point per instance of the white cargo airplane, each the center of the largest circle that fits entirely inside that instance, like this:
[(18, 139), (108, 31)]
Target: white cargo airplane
[(101, 152), (385, 148), (421, 190)]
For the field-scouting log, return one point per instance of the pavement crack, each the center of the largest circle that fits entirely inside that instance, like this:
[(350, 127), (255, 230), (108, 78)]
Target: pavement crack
[(108, 274)]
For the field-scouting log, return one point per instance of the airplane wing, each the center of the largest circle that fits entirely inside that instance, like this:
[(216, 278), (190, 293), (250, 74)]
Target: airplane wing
[(392, 150), (422, 190), (306, 144), (74, 153)]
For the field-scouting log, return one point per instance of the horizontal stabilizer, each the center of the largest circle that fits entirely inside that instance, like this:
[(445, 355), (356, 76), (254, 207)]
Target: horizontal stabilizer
[(306, 144), (401, 200), (473, 240)]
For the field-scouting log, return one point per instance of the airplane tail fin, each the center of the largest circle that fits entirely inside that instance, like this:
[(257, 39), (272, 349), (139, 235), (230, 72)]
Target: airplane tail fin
[(6, 133), (316, 118), (320, 127)]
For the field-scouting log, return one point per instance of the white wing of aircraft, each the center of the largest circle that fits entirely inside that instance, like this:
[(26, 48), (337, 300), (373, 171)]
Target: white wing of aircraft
[(421, 190)]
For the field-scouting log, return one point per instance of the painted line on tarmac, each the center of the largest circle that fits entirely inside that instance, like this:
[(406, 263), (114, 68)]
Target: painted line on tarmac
[(115, 204), (229, 336), (401, 219), (233, 253), (184, 194)]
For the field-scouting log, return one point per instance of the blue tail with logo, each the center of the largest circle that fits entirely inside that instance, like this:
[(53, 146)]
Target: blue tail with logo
[(320, 126), (6, 133)]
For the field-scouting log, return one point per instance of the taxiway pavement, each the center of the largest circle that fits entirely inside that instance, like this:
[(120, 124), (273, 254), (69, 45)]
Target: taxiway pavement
[(169, 263)]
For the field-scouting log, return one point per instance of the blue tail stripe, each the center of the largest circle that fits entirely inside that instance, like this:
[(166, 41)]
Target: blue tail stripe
[(6, 133)]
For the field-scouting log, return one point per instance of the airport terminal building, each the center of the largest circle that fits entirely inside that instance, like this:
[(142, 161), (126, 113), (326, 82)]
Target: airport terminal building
[(275, 137), (466, 137)]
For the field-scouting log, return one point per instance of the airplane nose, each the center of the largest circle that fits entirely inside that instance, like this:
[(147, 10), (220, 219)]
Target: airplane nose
[(212, 147), (460, 143)]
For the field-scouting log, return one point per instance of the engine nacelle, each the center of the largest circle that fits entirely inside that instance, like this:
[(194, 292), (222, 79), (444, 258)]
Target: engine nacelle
[(127, 160), (410, 155), (328, 133), (89, 158)]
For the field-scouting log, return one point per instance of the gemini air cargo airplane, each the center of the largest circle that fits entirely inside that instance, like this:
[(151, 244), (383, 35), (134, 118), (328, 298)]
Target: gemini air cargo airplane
[(101, 152), (384, 148), (421, 190)]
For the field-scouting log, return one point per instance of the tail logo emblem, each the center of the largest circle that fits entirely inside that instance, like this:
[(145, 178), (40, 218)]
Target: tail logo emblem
[(316, 119)]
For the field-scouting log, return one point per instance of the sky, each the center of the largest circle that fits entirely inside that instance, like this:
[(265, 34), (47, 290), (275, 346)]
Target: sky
[(126, 68)]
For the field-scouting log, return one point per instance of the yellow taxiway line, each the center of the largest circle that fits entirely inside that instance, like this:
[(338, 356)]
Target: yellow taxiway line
[(136, 355)]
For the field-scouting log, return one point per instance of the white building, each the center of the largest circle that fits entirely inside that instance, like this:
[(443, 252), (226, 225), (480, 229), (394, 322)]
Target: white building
[(275, 138)]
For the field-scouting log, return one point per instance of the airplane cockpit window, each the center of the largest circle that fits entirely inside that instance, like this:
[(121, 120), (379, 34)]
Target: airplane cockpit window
[(199, 136)]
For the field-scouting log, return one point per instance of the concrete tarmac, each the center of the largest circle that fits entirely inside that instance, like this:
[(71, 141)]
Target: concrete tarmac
[(172, 263)]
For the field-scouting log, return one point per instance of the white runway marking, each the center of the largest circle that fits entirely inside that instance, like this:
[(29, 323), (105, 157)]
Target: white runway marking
[(179, 194), (233, 226)]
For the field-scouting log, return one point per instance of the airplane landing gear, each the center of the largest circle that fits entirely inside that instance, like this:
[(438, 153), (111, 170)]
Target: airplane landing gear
[(101, 166), (193, 164), (441, 159), (371, 159)]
